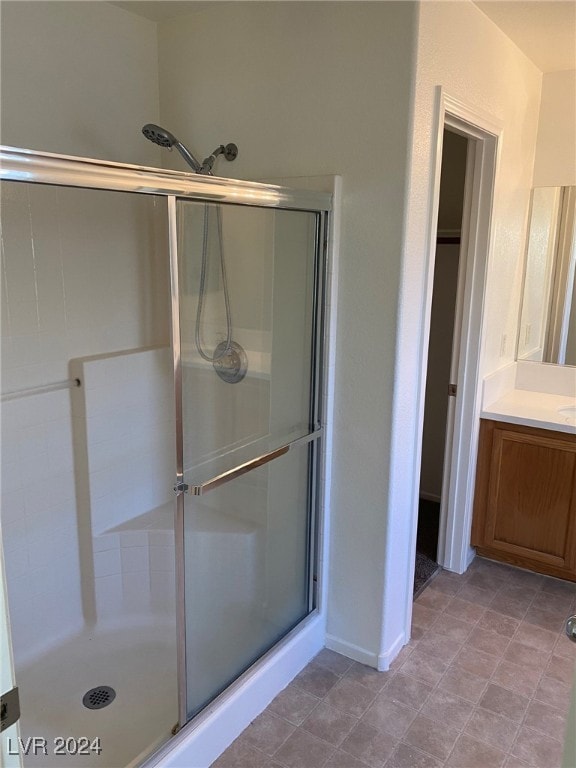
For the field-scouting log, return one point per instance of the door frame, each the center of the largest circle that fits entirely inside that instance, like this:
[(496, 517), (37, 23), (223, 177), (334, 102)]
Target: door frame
[(484, 134)]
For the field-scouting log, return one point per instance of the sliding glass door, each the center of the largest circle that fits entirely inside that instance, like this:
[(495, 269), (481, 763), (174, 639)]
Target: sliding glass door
[(247, 352)]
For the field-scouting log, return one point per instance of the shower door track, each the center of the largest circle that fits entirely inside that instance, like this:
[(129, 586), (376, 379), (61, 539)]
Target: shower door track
[(33, 167), (27, 165)]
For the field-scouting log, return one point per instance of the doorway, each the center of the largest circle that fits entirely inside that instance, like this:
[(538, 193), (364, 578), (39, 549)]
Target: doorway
[(442, 366)]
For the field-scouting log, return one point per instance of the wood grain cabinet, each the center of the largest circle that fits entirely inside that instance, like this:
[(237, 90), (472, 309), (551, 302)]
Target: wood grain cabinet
[(525, 499)]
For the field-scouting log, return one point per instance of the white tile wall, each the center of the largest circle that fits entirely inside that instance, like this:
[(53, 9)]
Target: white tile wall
[(124, 415), (82, 273)]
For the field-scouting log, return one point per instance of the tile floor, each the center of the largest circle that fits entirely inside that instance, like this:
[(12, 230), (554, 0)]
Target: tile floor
[(484, 683)]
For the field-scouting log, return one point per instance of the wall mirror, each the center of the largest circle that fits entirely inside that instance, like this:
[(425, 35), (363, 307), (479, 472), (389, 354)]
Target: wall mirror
[(547, 328)]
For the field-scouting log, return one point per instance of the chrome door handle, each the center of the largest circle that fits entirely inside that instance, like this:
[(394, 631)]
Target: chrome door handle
[(571, 628), (248, 466)]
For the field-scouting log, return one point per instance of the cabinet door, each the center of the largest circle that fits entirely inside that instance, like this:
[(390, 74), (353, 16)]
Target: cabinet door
[(531, 496)]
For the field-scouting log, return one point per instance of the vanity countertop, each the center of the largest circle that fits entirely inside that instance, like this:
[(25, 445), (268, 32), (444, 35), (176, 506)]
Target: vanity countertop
[(534, 409)]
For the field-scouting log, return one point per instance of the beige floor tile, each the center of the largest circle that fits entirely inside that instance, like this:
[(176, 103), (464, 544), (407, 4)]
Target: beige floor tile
[(487, 641), (241, 755), (526, 579), (333, 661), (491, 582), (464, 610), (439, 646), (537, 749), (565, 647), (462, 683), (556, 693), (329, 724), (447, 583), (293, 704), (405, 756), (370, 744), (368, 677), (559, 587), (430, 737), (492, 728), (424, 617), (504, 702), (447, 709), (520, 679), (268, 732), (472, 594), (516, 609), (492, 621), (389, 716), (341, 759), (475, 661), (549, 720), (435, 601), (316, 680), (350, 697), (302, 750), (560, 668), (516, 762), (424, 667), (544, 618), (521, 654), (403, 689), (471, 753), (452, 627), (518, 593), (536, 637)]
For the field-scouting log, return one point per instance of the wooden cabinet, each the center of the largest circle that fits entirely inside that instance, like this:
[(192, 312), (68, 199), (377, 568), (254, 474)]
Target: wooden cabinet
[(525, 499)]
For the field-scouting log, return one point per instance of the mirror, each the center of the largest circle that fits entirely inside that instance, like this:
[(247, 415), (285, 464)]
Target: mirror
[(547, 328)]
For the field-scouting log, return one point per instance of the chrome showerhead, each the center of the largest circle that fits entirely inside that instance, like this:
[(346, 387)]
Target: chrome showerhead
[(164, 138)]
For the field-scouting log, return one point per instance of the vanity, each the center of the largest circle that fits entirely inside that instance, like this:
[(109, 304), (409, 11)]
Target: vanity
[(525, 496)]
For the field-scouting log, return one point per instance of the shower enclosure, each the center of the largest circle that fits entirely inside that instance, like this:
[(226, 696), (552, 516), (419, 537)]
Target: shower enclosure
[(188, 541)]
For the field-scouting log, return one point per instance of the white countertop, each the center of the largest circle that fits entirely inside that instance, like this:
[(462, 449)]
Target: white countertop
[(533, 409)]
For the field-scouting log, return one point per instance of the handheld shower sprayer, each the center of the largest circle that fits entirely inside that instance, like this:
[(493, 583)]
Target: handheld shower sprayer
[(164, 138), (229, 359)]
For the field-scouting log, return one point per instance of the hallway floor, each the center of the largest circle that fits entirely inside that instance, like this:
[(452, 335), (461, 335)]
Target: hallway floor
[(484, 683)]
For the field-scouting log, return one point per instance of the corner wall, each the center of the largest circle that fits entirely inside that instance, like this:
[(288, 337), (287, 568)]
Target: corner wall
[(555, 164), (310, 89), (83, 272), (461, 50)]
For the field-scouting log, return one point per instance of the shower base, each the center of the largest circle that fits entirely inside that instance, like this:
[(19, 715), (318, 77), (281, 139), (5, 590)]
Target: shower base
[(137, 661)]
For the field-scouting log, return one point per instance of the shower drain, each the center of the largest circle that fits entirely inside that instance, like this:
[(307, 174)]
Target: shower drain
[(100, 697)]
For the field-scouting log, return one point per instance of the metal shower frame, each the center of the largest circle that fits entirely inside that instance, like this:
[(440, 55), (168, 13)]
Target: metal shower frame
[(29, 166)]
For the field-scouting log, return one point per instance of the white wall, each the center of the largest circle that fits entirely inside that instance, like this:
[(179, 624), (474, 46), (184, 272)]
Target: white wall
[(78, 78), (82, 273), (460, 49), (311, 89), (555, 163)]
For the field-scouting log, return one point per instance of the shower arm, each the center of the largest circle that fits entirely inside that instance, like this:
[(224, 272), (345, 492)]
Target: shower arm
[(230, 152), (190, 159)]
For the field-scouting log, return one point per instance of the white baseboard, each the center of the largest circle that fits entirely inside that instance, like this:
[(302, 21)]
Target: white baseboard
[(352, 651), (386, 658), (203, 740), (381, 661)]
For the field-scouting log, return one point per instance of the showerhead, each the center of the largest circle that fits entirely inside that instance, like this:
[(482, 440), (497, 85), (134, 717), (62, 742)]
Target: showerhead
[(164, 138), (159, 135)]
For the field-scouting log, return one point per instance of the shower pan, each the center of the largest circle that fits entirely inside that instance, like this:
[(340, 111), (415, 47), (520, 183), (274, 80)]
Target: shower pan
[(197, 516)]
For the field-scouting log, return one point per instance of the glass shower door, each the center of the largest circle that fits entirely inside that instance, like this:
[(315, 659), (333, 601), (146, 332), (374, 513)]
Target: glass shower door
[(248, 280)]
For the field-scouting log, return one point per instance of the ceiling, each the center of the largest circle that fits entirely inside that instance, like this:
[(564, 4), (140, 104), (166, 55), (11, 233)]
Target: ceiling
[(545, 30)]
